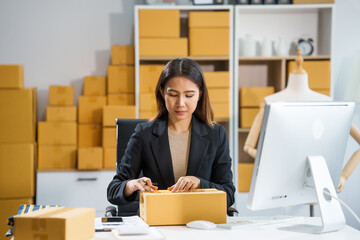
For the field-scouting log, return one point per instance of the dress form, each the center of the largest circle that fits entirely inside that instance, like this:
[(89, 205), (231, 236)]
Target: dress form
[(297, 89)]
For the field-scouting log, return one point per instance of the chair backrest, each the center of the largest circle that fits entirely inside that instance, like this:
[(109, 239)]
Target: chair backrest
[(124, 129)]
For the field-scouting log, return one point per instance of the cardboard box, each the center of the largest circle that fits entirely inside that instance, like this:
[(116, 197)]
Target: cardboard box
[(109, 137), (56, 223), (61, 114), (147, 114), (90, 158), (149, 76), (9, 207), (163, 47), (110, 158), (11, 76), (219, 79), (312, 1), (247, 116), (121, 99), (318, 72), (18, 115), (57, 157), (159, 23), (209, 41), (122, 54), (254, 96), (90, 108), (147, 102), (219, 95), (209, 19), (323, 91), (121, 79), (89, 135), (94, 86), (166, 208), (221, 110), (17, 175), (245, 171), (61, 95), (111, 113), (57, 133)]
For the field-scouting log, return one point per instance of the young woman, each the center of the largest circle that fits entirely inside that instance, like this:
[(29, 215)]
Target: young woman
[(181, 148)]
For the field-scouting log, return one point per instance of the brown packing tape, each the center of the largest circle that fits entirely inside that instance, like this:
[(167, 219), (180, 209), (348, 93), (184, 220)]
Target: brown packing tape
[(61, 102), (39, 222), (61, 89), (92, 99)]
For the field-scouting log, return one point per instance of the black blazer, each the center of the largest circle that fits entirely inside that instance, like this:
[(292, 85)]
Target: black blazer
[(148, 150)]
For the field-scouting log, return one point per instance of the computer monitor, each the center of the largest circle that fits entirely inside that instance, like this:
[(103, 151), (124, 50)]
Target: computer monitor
[(298, 142)]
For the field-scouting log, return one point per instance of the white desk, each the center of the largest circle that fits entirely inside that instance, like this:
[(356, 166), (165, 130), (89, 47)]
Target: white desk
[(268, 232)]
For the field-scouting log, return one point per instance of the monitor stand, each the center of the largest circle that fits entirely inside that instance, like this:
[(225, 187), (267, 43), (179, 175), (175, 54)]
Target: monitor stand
[(332, 216)]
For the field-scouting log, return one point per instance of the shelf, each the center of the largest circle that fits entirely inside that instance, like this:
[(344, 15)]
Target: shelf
[(289, 8), (210, 58), (277, 58), (244, 130)]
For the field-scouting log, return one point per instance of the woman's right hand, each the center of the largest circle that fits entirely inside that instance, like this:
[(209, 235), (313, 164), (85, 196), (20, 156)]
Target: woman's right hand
[(143, 184)]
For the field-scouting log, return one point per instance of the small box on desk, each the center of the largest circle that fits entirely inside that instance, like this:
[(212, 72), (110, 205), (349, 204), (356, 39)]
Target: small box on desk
[(56, 223), (166, 208)]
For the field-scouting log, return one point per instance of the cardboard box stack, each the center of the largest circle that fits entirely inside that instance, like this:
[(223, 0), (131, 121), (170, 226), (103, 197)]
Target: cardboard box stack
[(17, 142), (121, 99), (159, 32), (57, 136), (90, 152), (209, 33), (218, 84), (250, 100), (149, 76), (318, 74)]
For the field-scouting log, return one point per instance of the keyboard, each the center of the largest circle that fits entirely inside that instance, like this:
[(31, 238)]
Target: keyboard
[(244, 222)]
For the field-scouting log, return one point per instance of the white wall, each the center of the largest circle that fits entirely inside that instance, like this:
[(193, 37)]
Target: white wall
[(60, 42)]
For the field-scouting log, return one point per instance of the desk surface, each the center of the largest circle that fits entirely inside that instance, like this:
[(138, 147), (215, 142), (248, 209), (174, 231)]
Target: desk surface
[(268, 232)]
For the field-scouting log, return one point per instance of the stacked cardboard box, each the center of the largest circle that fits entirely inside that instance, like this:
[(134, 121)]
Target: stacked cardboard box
[(90, 152), (17, 142), (159, 32), (149, 76), (218, 84), (121, 99), (57, 136), (209, 33), (250, 100), (318, 74)]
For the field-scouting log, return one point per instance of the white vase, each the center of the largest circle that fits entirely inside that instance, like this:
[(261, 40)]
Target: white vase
[(249, 46), (281, 49), (266, 49)]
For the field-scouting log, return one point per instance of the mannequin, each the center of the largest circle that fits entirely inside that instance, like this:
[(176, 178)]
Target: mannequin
[(298, 90)]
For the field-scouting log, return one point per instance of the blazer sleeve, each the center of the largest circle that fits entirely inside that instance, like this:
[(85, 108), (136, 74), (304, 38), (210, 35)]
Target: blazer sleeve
[(128, 168), (221, 174)]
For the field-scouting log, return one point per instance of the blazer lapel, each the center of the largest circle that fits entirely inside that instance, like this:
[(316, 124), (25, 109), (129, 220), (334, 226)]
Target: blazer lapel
[(161, 151), (198, 147)]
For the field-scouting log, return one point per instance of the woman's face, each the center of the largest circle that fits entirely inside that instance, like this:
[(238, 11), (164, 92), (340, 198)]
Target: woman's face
[(181, 97)]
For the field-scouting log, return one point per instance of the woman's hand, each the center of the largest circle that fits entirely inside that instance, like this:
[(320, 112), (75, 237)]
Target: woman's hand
[(341, 184), (185, 184), (143, 184)]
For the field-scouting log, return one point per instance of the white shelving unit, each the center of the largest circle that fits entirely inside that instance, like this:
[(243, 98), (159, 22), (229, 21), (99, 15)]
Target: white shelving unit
[(290, 22)]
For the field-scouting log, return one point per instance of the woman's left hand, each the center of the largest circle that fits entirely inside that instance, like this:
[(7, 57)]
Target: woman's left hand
[(185, 184)]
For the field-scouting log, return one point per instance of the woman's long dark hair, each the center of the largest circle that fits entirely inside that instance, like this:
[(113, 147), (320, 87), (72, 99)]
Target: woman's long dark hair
[(184, 67)]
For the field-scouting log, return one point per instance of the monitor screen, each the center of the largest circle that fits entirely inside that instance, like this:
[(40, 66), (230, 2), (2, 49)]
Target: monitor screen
[(290, 133)]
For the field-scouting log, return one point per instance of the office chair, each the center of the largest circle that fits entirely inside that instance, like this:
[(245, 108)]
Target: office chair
[(124, 129)]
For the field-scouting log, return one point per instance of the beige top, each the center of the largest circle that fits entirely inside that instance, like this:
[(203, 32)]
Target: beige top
[(179, 149)]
